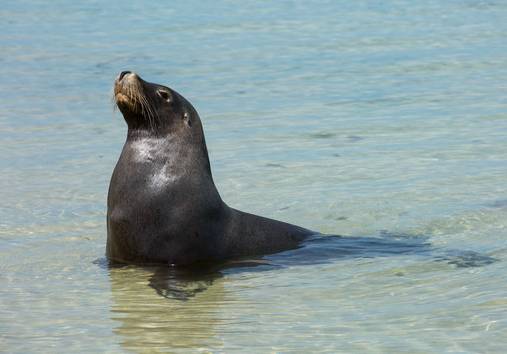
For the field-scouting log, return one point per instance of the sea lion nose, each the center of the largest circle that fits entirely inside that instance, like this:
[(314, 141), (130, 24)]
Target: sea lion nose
[(122, 74)]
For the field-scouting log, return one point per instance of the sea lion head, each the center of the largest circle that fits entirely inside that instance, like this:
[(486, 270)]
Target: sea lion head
[(153, 108)]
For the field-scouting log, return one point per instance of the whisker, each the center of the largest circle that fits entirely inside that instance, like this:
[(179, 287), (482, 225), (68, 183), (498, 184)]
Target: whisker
[(140, 103), (151, 112)]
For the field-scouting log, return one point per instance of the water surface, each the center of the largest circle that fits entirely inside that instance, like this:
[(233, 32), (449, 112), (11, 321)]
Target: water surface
[(384, 123)]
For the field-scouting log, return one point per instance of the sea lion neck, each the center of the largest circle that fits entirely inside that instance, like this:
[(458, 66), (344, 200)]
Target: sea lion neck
[(179, 153), (134, 133)]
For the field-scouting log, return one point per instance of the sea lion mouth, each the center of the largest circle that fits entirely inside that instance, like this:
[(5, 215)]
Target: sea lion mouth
[(127, 89)]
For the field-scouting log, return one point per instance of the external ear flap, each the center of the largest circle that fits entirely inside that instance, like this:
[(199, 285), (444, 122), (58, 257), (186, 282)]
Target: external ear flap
[(186, 118), (165, 95)]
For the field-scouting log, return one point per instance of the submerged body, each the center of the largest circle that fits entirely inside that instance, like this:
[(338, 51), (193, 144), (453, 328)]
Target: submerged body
[(163, 206)]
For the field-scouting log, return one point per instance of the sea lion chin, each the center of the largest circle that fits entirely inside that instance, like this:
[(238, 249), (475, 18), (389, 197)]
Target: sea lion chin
[(163, 206)]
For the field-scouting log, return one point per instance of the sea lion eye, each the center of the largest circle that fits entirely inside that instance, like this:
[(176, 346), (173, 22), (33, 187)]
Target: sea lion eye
[(165, 95)]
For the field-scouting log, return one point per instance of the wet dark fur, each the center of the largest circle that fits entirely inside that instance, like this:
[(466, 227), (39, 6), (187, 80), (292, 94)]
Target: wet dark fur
[(163, 206)]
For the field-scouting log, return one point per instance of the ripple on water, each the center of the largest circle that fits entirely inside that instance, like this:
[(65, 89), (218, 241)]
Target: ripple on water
[(385, 124)]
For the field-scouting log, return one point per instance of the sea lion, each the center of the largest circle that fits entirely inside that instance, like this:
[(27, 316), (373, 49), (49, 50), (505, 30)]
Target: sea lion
[(163, 206)]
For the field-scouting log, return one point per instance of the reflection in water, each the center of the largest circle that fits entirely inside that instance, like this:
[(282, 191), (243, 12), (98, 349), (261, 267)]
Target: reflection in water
[(178, 308), (181, 284), (149, 320), (163, 307)]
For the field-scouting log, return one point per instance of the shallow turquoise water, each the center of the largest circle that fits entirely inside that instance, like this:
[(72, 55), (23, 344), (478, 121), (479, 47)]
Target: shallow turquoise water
[(374, 121)]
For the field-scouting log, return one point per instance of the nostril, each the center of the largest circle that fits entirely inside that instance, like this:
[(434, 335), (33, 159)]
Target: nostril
[(122, 74)]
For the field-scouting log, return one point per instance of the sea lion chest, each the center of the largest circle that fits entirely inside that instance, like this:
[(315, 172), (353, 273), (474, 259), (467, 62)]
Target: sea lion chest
[(144, 185)]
